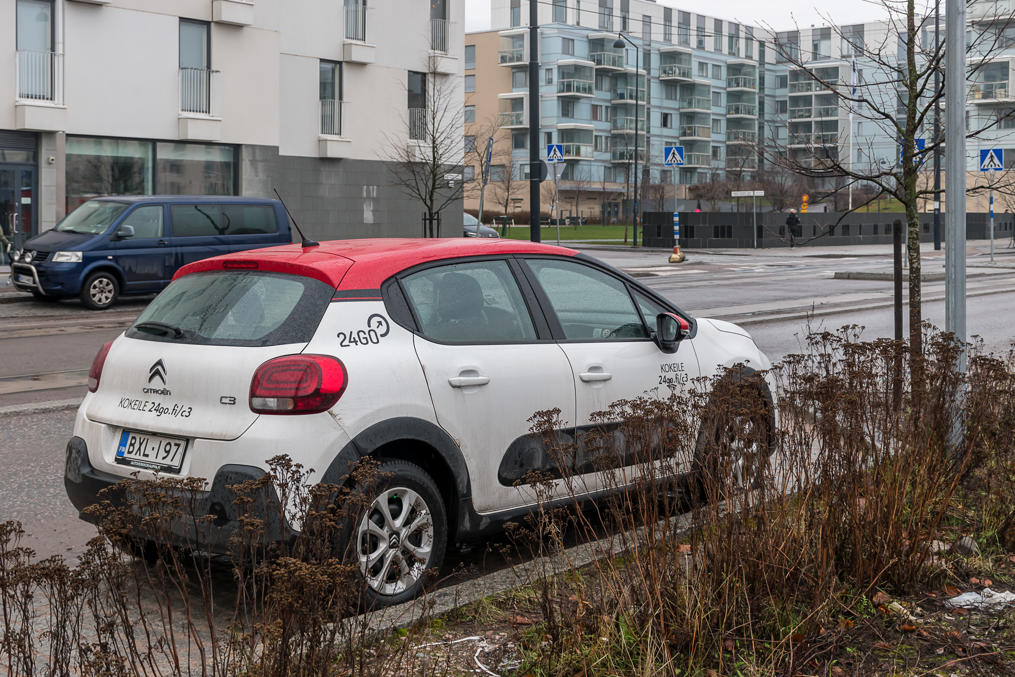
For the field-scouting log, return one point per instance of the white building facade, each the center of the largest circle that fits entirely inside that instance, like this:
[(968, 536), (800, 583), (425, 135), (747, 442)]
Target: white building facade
[(309, 97)]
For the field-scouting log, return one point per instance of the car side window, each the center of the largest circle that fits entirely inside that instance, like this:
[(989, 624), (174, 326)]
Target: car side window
[(146, 221), (476, 302), (650, 309), (590, 304)]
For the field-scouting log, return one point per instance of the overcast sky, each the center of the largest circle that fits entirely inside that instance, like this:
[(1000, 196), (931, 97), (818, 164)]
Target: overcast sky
[(777, 14)]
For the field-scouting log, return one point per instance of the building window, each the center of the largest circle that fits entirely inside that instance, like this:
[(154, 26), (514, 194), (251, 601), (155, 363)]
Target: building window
[(606, 14), (416, 88), (716, 72), (717, 126), (646, 27), (547, 138), (36, 60), (625, 15), (519, 78), (356, 19), (852, 40), (667, 24), (717, 35), (548, 76), (699, 38), (602, 82), (195, 67), (469, 173), (566, 108), (560, 11), (670, 91), (496, 173), (666, 120), (470, 57), (781, 106), (748, 42), (578, 13), (602, 143), (519, 140), (684, 28), (516, 13), (470, 83), (781, 81), (567, 46), (717, 99), (470, 144), (733, 46), (331, 97), (702, 69), (470, 114), (717, 153)]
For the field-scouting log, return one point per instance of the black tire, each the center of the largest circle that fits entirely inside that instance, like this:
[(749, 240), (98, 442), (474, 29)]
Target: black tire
[(373, 558), (41, 296), (733, 447), (100, 291)]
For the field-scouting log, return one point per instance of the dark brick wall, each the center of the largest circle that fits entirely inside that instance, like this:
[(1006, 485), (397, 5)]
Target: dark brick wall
[(715, 230), (338, 198)]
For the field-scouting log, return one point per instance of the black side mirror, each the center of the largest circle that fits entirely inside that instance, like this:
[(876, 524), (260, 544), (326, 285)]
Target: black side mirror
[(670, 329), (124, 232)]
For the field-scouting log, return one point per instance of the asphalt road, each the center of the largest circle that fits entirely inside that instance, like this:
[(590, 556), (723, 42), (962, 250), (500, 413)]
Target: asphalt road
[(43, 344)]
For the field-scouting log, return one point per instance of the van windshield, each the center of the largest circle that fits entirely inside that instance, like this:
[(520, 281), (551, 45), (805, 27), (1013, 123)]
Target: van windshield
[(92, 218)]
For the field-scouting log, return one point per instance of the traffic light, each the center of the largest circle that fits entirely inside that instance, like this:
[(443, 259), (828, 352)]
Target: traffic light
[(803, 203)]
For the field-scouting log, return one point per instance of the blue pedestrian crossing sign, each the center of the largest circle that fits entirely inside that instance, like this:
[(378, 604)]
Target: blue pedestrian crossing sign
[(992, 159), (673, 156), (555, 152), (919, 146)]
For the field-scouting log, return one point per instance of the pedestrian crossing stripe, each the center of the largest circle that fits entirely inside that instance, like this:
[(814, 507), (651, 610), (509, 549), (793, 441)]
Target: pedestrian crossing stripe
[(990, 160)]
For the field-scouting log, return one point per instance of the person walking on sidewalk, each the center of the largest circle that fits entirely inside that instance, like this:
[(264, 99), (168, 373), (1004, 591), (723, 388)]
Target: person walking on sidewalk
[(793, 226)]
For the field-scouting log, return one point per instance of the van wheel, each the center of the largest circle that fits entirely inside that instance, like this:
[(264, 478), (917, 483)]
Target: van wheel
[(401, 535), (100, 291), (40, 296)]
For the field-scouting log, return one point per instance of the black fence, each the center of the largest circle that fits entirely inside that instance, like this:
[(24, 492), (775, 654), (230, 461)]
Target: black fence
[(717, 230)]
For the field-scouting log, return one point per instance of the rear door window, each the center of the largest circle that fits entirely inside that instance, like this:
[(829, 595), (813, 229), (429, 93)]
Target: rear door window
[(242, 308), (475, 302), (206, 220)]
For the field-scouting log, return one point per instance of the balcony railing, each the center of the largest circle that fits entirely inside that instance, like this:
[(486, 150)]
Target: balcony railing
[(989, 90), (196, 90), (583, 87), (741, 136), (741, 82), (741, 163), (696, 131), (607, 59), (697, 103), (629, 94), (513, 55), (577, 150), (796, 87), (417, 124), (697, 159), (821, 139), (331, 117), (826, 111), (40, 76), (800, 113), (748, 109), (439, 35), (628, 124), (511, 119), (675, 70), (356, 21)]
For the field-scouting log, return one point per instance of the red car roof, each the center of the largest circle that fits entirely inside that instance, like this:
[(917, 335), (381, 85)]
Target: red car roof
[(366, 263)]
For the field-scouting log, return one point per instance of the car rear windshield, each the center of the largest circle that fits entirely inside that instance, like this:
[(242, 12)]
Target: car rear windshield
[(92, 218), (235, 308)]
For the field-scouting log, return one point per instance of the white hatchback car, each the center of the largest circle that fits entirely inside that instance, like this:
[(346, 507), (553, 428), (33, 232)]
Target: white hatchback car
[(427, 355)]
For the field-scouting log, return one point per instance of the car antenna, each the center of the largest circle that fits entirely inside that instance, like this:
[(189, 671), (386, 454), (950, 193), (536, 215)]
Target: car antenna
[(306, 242)]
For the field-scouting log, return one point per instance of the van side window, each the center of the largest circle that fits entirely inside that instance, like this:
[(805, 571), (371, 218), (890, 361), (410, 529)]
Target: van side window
[(146, 221), (204, 220)]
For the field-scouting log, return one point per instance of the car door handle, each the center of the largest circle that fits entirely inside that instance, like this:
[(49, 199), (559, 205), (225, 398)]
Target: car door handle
[(466, 380), (595, 374), (163, 243)]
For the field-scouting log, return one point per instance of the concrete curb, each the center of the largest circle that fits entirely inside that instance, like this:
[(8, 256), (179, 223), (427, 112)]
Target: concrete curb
[(448, 599), (890, 277), (39, 407)]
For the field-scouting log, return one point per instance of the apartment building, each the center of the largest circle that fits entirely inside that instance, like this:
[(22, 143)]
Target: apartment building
[(310, 97), (704, 83)]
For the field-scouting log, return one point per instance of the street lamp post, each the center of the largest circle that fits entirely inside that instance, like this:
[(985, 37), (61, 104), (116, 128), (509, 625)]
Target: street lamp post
[(619, 44)]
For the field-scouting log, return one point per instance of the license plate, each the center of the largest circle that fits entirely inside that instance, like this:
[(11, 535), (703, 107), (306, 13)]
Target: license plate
[(24, 279), (151, 452)]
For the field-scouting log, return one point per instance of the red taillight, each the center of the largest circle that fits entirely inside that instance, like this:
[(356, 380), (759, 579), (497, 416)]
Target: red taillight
[(297, 384), (241, 265), (95, 373)]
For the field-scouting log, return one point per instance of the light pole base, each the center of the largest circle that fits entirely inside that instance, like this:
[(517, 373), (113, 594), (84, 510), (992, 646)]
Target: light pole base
[(677, 256)]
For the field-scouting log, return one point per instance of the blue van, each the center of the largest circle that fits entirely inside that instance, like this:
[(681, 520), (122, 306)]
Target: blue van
[(133, 245)]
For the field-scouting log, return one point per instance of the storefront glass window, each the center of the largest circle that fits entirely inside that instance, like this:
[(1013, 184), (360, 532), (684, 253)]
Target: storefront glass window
[(107, 167), (195, 169)]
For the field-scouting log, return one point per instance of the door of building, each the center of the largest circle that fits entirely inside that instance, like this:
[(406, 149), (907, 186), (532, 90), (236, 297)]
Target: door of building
[(17, 202)]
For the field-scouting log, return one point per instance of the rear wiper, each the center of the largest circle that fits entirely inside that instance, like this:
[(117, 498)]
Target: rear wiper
[(159, 328)]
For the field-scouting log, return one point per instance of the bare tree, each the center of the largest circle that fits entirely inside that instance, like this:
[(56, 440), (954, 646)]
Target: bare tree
[(577, 186), (897, 97), (504, 185), (428, 166), (482, 132)]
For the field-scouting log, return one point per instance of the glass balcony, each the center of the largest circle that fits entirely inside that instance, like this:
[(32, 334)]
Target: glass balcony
[(826, 111), (697, 160), (797, 87), (628, 94), (628, 124), (980, 91), (512, 119), (696, 103), (800, 113), (742, 110), (741, 136), (577, 151), (695, 132), (608, 60), (741, 82), (512, 56), (575, 87), (675, 71)]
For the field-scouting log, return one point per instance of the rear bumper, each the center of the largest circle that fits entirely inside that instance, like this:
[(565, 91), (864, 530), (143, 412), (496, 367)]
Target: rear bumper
[(211, 519)]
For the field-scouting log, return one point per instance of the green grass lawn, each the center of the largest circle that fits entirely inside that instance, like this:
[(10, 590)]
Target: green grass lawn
[(882, 205), (549, 233)]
